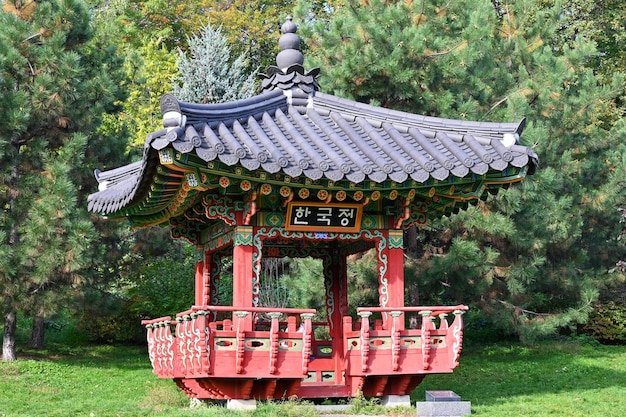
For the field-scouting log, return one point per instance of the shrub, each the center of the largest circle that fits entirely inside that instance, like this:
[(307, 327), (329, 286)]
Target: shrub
[(111, 320), (480, 327), (607, 323)]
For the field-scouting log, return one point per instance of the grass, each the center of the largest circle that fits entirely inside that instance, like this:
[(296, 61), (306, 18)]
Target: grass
[(549, 379)]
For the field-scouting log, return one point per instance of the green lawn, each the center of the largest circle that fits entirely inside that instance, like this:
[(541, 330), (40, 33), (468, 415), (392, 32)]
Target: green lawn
[(550, 379)]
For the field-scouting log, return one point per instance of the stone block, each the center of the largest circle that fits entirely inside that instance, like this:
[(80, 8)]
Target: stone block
[(332, 408), (396, 401), (443, 408), (439, 396), (241, 405)]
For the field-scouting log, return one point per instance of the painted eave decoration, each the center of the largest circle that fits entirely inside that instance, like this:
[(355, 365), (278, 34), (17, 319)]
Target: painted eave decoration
[(296, 142)]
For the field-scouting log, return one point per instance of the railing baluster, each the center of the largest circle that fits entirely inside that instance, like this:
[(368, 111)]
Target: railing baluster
[(204, 349), (168, 347), (395, 339), (241, 339), (365, 338), (426, 328), (180, 340), (306, 341), (457, 335), (159, 347), (151, 344), (196, 363), (273, 341), (189, 341), (443, 322)]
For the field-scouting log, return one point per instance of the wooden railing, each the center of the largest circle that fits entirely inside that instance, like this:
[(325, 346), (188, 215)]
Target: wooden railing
[(448, 336), (160, 345), (192, 346), (189, 352)]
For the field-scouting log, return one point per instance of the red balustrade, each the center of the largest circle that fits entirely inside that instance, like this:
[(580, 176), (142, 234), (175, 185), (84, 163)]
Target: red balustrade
[(274, 359)]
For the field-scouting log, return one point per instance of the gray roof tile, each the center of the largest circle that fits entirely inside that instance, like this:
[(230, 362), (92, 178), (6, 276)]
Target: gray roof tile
[(294, 130), (318, 135)]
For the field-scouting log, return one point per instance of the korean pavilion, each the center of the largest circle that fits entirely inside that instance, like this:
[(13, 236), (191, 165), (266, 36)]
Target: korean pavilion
[(293, 172)]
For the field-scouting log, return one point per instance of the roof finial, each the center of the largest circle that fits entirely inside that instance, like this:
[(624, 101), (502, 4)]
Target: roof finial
[(289, 44), (289, 72)]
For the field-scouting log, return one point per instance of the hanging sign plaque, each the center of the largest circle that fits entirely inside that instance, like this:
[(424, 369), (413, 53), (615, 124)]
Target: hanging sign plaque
[(324, 217)]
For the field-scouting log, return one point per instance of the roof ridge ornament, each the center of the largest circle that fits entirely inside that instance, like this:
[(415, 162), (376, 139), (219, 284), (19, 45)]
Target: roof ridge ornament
[(170, 110), (289, 44), (289, 72)]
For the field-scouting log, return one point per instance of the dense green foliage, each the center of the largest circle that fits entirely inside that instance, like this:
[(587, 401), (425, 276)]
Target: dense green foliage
[(532, 258), (607, 323), (210, 75), (56, 83), (153, 34), (603, 23), (151, 284), (529, 260)]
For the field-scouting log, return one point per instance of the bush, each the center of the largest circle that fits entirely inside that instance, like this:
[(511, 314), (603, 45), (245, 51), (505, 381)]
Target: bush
[(607, 323), (481, 327), (111, 320)]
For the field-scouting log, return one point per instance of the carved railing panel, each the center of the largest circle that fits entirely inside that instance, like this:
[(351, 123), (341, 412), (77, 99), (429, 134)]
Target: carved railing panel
[(438, 346), (192, 350), (197, 347), (160, 345), (306, 341)]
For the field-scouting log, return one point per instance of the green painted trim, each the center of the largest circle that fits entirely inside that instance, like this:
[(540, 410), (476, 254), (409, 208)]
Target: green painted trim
[(396, 239), (243, 236)]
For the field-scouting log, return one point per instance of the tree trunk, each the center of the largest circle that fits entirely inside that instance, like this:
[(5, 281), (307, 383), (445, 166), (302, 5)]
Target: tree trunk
[(411, 247), (8, 340), (37, 333)]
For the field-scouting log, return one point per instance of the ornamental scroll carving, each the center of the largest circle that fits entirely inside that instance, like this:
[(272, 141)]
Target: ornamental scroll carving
[(222, 208), (265, 233)]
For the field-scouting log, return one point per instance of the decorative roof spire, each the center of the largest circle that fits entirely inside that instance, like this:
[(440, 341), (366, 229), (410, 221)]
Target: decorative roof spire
[(289, 44), (289, 72)]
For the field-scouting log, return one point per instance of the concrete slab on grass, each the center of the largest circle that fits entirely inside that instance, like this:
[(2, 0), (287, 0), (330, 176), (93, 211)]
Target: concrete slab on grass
[(440, 396), (443, 408)]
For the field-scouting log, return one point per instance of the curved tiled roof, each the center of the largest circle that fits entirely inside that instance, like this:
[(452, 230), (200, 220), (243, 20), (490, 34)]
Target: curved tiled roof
[(322, 136), (302, 137)]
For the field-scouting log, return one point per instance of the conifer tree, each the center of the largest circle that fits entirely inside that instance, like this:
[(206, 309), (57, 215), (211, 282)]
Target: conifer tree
[(55, 85), (603, 23), (210, 75), (535, 256)]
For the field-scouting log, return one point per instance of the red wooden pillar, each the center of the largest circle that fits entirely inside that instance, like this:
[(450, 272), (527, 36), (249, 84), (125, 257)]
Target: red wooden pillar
[(243, 250), (199, 282), (391, 284), (203, 281), (336, 284)]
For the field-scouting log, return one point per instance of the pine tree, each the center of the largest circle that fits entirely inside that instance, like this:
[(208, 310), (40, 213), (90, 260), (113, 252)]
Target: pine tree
[(534, 257), (55, 86), (603, 23), (210, 75)]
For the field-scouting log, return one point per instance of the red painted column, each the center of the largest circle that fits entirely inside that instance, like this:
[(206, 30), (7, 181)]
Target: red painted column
[(199, 282), (207, 280), (243, 250), (204, 280), (336, 285), (392, 283)]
